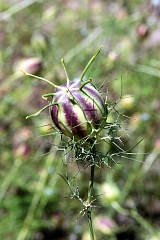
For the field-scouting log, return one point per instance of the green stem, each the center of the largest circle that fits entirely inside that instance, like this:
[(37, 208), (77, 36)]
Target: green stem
[(89, 215), (90, 192), (90, 189)]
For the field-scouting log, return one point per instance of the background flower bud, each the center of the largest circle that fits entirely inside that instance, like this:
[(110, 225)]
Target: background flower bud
[(30, 65), (86, 236), (109, 193), (79, 111), (142, 31), (105, 225), (39, 43), (127, 102), (22, 151)]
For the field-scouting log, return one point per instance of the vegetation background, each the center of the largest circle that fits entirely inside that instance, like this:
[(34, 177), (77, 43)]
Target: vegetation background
[(35, 35)]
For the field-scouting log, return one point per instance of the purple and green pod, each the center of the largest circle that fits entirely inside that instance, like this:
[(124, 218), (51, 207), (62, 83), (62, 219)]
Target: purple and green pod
[(78, 110)]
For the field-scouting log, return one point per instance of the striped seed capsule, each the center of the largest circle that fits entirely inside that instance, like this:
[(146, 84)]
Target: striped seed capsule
[(78, 110)]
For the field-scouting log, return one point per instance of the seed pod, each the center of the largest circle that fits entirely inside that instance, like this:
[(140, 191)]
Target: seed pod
[(31, 65), (78, 110)]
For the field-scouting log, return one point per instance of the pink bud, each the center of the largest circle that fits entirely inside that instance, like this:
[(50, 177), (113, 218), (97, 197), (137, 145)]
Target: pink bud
[(30, 65)]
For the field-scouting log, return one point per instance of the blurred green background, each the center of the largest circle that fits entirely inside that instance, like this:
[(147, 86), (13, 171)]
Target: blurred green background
[(34, 36)]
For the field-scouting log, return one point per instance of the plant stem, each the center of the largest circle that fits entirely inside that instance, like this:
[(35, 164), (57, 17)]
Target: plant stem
[(89, 200)]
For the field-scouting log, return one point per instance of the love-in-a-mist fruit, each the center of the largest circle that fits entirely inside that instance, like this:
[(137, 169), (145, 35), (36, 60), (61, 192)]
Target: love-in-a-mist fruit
[(78, 110)]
